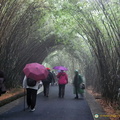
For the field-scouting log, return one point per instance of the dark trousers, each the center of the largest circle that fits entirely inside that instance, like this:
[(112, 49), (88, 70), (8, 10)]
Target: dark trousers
[(0, 91), (61, 90), (46, 89), (76, 91), (31, 97)]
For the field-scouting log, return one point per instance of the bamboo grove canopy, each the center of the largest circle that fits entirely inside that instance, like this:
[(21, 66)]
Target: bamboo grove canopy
[(89, 30)]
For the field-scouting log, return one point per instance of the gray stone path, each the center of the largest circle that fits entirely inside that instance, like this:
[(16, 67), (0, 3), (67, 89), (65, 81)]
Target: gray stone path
[(51, 108)]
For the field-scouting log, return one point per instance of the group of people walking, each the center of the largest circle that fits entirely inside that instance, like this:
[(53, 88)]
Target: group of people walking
[(62, 81)]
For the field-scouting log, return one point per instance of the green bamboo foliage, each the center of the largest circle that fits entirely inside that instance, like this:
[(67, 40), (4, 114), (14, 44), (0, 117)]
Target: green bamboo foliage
[(29, 30), (103, 34), (98, 24), (21, 41)]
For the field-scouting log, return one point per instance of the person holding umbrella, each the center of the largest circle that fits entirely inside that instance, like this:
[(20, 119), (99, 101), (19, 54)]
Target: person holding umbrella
[(62, 81), (31, 93), (34, 72)]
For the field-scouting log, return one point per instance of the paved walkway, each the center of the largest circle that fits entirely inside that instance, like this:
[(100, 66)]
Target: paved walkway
[(51, 108)]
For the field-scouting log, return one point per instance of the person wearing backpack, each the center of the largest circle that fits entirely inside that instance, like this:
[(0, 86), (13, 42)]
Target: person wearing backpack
[(46, 83), (31, 87), (62, 81)]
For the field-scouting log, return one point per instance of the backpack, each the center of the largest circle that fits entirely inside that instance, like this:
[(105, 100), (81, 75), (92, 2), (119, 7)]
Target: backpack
[(82, 86), (49, 78), (31, 82)]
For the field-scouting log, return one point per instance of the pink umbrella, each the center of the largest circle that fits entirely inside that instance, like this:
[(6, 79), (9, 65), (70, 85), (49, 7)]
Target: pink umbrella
[(60, 68), (35, 71)]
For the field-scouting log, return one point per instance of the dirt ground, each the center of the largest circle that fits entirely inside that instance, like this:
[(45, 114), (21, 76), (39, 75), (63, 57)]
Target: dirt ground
[(111, 109), (11, 93)]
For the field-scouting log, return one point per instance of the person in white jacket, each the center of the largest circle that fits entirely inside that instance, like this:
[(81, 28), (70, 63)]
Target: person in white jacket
[(31, 94)]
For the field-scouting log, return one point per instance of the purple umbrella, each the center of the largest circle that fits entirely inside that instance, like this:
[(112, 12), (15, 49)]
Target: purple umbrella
[(60, 68)]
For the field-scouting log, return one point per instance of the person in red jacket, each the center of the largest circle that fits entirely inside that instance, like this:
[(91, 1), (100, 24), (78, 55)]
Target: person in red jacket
[(62, 81)]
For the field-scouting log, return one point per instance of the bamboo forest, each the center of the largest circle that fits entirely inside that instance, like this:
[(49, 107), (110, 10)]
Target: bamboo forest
[(78, 34)]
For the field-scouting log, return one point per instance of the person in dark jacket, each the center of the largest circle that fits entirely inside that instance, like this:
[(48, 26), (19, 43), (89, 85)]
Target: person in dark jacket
[(62, 81), (77, 82), (53, 79), (2, 85), (46, 83)]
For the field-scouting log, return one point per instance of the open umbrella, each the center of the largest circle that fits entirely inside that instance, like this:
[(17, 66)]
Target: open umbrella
[(35, 71), (60, 68)]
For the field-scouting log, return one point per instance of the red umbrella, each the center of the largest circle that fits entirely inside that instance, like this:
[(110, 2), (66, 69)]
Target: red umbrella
[(35, 71)]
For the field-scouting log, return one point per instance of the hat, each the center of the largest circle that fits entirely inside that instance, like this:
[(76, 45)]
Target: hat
[(48, 68), (76, 71)]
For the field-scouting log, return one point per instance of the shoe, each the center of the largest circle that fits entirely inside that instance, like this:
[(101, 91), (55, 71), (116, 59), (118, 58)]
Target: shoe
[(46, 95), (32, 110), (76, 98)]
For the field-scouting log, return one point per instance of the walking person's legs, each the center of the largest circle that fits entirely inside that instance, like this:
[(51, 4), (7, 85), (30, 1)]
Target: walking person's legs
[(33, 99), (59, 91), (28, 97), (44, 89), (76, 92), (47, 89), (63, 90)]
